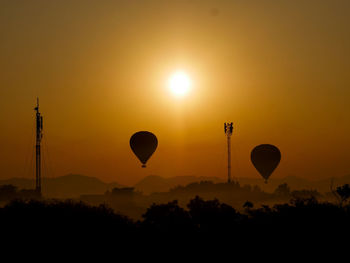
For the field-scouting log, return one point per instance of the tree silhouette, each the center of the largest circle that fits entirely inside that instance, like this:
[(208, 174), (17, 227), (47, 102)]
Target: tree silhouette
[(212, 215), (283, 190), (7, 192), (167, 217), (248, 206), (305, 194), (203, 216), (344, 193), (69, 217)]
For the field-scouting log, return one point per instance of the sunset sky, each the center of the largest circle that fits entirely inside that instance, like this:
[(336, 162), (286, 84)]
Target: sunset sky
[(279, 70)]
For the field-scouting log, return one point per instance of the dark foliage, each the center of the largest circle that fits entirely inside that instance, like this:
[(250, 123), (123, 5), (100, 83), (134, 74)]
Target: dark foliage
[(213, 215), (300, 215), (282, 190), (167, 217), (58, 217), (305, 194), (248, 205), (10, 192), (343, 192), (7, 192)]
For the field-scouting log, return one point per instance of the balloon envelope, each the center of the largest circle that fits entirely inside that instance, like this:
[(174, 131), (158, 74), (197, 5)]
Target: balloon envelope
[(265, 158), (143, 144)]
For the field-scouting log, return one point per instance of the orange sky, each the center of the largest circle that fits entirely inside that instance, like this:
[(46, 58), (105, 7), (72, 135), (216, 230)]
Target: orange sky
[(278, 69)]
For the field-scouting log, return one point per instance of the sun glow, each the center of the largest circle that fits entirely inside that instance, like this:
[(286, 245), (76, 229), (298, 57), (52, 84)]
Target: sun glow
[(179, 83)]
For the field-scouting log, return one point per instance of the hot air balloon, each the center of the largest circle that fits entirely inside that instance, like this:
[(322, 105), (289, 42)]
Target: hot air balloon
[(265, 158), (143, 144)]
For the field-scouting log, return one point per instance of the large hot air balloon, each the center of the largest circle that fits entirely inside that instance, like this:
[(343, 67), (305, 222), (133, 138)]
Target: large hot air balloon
[(143, 144), (265, 158)]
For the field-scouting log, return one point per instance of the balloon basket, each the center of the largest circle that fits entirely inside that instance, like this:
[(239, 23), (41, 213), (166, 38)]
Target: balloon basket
[(143, 166)]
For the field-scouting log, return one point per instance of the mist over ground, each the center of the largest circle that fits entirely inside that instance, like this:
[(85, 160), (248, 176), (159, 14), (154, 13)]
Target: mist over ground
[(134, 200)]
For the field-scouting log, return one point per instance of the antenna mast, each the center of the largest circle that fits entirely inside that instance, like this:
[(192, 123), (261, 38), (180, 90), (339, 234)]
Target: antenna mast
[(228, 133), (39, 136)]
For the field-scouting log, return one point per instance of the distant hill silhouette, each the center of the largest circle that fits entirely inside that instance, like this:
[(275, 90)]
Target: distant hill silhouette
[(68, 186), (154, 183), (75, 185)]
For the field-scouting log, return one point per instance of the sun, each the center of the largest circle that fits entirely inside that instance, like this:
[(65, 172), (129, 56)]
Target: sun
[(179, 83)]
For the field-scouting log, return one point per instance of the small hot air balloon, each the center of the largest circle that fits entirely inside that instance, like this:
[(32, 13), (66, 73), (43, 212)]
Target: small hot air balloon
[(143, 144), (265, 158)]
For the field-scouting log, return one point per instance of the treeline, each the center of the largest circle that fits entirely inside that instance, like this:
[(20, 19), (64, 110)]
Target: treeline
[(134, 204), (199, 216), (235, 194), (10, 192), (232, 194)]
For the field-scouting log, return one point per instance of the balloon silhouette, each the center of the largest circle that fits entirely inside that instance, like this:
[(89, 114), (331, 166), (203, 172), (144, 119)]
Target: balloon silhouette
[(143, 144), (265, 158)]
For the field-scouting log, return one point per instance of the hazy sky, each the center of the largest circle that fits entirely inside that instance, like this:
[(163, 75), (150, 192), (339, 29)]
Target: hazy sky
[(278, 69)]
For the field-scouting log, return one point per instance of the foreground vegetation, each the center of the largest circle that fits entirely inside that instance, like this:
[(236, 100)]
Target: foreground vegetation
[(200, 216)]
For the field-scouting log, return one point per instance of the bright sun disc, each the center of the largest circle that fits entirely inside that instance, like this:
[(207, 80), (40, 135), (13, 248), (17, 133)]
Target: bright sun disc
[(179, 83)]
